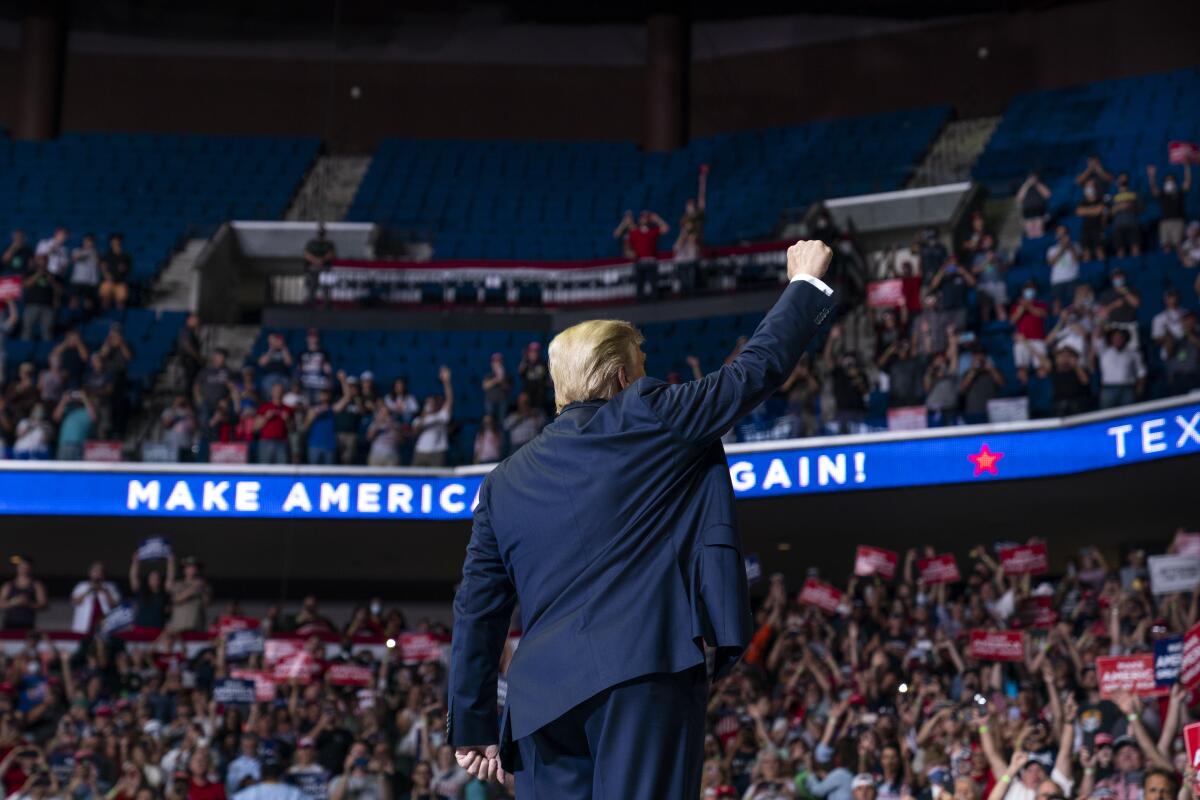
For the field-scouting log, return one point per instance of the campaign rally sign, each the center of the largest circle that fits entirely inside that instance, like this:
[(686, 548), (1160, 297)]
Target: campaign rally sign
[(874, 561), (997, 645), (228, 624), (939, 569), (234, 692), (118, 618), (908, 418), (1134, 673), (299, 667), (1189, 668), (276, 650), (10, 288), (153, 549), (1037, 612), (264, 686), (1181, 152), (241, 644), (753, 568), (349, 675), (1175, 573), (1186, 544), (1024, 559), (1168, 659), (822, 595), (886, 293), (417, 647), (1191, 737)]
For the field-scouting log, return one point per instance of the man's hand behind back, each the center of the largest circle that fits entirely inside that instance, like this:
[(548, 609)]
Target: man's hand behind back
[(808, 258)]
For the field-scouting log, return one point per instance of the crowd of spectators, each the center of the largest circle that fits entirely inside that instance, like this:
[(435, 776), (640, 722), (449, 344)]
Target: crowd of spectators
[(1070, 348), (51, 289), (62, 285), (881, 697), (295, 408), (78, 396)]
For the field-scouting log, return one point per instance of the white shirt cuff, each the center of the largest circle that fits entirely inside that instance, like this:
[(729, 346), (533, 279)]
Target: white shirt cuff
[(817, 282)]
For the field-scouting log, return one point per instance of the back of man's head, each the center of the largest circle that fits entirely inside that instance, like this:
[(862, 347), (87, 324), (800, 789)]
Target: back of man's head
[(585, 360)]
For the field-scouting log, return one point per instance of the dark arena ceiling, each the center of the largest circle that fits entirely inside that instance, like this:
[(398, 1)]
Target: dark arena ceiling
[(367, 20)]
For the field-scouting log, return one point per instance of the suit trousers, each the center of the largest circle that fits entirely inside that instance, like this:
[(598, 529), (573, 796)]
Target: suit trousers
[(638, 740)]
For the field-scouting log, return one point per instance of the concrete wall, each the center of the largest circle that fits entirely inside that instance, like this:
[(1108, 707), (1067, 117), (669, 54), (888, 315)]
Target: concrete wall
[(745, 74)]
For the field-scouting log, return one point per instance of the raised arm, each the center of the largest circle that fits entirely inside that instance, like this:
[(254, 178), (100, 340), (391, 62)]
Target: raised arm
[(447, 390), (698, 412)]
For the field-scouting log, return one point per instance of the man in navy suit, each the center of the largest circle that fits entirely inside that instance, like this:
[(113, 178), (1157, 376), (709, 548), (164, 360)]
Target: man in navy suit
[(616, 533)]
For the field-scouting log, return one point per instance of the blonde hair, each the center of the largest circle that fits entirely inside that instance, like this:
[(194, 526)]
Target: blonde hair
[(585, 359)]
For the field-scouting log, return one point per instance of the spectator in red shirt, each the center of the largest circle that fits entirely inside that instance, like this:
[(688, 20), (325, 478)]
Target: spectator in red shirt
[(641, 239), (273, 423), (200, 783), (1028, 318)]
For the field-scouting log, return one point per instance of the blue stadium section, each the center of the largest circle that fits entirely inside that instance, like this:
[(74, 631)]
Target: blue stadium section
[(1127, 122), (153, 188), (560, 200)]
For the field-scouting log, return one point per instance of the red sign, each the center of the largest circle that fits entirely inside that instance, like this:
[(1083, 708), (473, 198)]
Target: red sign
[(1024, 559), (301, 668), (227, 625), (997, 645), (101, 451), (349, 675), (1183, 152), (1191, 737), (885, 294), (10, 288), (1128, 673), (822, 595), (227, 453), (1037, 612), (1186, 544), (874, 561), (1189, 669), (276, 650), (416, 647), (939, 569), (264, 686)]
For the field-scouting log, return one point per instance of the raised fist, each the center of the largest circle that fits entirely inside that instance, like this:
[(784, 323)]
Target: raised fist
[(808, 258)]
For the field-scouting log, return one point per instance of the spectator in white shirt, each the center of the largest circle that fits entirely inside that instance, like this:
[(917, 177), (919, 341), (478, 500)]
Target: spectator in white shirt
[(85, 273), (54, 249), (1063, 258), (272, 786), (433, 426), (1076, 323), (401, 402), (93, 599), (1168, 322), (1122, 373)]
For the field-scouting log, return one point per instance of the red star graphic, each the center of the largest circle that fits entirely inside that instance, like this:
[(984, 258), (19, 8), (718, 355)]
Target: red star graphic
[(985, 460)]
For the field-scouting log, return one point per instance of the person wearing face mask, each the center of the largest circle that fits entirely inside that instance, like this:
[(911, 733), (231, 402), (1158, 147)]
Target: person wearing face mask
[(1171, 201), (1126, 205), (1119, 305), (1076, 322), (1028, 318), (1093, 214)]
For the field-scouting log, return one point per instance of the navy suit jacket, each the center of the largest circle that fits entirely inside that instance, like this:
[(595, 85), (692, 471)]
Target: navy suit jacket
[(615, 529)]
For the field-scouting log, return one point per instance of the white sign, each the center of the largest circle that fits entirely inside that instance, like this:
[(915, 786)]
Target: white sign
[(1169, 574)]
